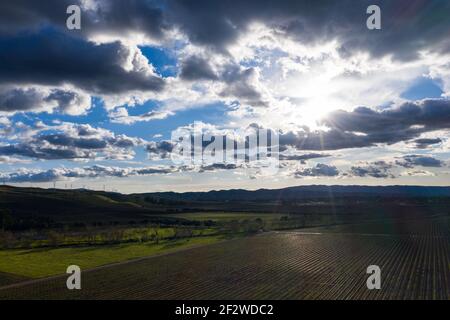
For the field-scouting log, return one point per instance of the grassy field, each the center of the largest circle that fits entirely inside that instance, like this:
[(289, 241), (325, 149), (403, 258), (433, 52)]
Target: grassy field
[(36, 263), (415, 264), (91, 248)]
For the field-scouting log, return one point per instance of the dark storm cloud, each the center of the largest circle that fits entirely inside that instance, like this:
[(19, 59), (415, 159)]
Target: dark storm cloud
[(24, 15), (196, 68), (411, 161), (226, 22), (36, 47), (431, 113), (406, 25), (104, 17), (425, 143), (121, 17), (365, 127), (53, 58), (320, 170)]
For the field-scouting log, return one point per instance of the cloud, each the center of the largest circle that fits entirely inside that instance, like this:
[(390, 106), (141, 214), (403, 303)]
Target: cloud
[(12, 160), (382, 169), (26, 175), (377, 169), (112, 18), (219, 166), (320, 170), (365, 127), (197, 68), (99, 171), (432, 114), (409, 161), (426, 142), (321, 21), (120, 115), (282, 64), (5, 126), (103, 58), (333, 139), (213, 24), (160, 149), (98, 17), (243, 84), (302, 157), (50, 57), (4, 121), (73, 142), (18, 16), (40, 152), (37, 99), (230, 80), (418, 173), (362, 127)]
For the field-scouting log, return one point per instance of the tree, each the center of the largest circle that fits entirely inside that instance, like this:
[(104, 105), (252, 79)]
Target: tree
[(54, 238), (234, 226), (183, 233), (6, 220), (7, 240)]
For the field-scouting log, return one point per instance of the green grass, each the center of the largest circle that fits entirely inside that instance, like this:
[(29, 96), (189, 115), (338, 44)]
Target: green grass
[(37, 263)]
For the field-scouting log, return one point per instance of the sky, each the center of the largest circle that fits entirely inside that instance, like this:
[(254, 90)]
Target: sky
[(97, 107)]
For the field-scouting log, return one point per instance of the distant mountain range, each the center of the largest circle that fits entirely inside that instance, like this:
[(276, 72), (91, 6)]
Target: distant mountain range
[(308, 192), (81, 205)]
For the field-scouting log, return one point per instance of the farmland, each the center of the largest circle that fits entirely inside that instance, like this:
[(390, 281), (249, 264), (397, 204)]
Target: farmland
[(294, 243), (37, 263), (9, 278), (314, 263)]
